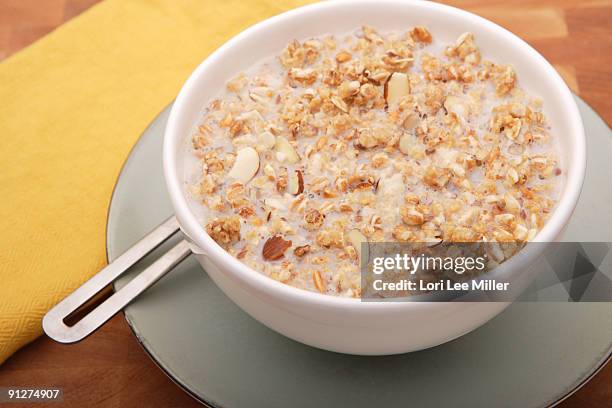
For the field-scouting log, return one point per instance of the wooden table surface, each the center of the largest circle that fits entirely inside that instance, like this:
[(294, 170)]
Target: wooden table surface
[(110, 369)]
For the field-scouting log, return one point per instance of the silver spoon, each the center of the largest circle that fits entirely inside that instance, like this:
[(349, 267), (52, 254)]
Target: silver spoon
[(54, 322)]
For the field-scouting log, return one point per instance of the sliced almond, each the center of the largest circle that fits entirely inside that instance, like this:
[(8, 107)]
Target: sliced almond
[(461, 39), (512, 204), (456, 105), (261, 94), (356, 238), (275, 248), (246, 165), (396, 88), (405, 144), (285, 148), (269, 171), (275, 203), (267, 139), (411, 121), (512, 176), (295, 184)]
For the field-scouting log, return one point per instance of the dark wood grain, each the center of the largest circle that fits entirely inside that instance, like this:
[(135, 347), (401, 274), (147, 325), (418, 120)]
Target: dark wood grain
[(110, 369)]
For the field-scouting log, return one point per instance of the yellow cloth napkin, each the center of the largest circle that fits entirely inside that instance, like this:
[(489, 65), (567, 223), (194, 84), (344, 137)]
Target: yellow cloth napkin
[(72, 105)]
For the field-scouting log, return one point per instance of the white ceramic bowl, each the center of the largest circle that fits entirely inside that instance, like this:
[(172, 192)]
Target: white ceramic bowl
[(349, 325)]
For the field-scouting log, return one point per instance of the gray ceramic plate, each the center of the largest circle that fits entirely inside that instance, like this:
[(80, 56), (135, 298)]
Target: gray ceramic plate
[(531, 355)]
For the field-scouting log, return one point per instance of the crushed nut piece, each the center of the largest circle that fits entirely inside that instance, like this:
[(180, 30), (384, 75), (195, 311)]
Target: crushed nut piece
[(301, 250), (275, 248)]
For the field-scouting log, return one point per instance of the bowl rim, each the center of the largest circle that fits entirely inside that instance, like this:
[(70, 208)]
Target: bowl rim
[(241, 272)]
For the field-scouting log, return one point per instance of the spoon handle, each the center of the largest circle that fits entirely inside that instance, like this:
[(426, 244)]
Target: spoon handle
[(54, 321)]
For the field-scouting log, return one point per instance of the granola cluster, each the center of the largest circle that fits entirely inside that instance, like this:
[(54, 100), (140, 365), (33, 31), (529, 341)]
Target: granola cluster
[(370, 137)]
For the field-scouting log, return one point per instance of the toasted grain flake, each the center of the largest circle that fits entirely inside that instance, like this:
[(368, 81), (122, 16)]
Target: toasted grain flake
[(502, 235), (330, 238), (348, 89), (321, 142), (367, 138), (238, 83), (505, 219), (520, 232), (242, 253), (303, 76), (339, 103), (402, 234), (436, 176), (411, 216), (318, 281), (343, 56), (379, 160), (282, 180), (357, 240), (511, 204)]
